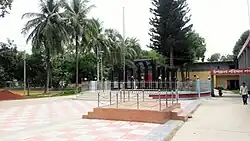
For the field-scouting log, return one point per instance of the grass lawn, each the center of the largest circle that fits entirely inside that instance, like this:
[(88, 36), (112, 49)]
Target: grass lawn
[(40, 94), (21, 92)]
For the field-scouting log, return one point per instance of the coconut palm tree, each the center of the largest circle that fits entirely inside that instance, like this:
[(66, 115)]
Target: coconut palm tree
[(116, 48), (76, 13), (46, 31), (133, 50)]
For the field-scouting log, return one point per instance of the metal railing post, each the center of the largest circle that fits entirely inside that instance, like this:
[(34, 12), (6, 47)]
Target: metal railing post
[(110, 101), (124, 95), (166, 97), (121, 95), (137, 97), (128, 95), (98, 99), (172, 97), (117, 100), (143, 95), (159, 100), (177, 96)]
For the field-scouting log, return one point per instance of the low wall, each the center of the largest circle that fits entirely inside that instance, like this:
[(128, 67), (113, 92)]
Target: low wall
[(182, 96)]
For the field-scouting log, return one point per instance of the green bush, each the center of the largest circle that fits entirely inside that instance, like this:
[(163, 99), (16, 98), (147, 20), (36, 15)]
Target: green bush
[(69, 92)]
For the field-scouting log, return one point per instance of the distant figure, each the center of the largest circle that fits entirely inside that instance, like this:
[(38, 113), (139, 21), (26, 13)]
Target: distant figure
[(244, 93)]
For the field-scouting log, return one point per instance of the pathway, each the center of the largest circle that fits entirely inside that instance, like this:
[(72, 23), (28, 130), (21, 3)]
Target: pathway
[(218, 119)]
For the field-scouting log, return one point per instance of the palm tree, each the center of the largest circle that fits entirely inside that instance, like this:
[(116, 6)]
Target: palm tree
[(96, 42), (133, 50), (46, 32), (116, 48), (76, 12)]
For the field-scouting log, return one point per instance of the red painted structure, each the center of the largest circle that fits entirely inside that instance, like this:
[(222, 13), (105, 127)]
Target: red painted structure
[(182, 96), (231, 72), (7, 95)]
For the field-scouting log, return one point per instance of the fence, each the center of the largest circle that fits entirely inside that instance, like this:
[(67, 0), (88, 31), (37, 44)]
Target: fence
[(190, 86), (132, 99)]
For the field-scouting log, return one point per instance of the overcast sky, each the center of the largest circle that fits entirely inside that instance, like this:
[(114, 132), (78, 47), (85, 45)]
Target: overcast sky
[(220, 22)]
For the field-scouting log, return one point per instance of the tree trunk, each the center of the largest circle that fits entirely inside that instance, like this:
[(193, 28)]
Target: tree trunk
[(28, 89), (76, 62), (48, 71)]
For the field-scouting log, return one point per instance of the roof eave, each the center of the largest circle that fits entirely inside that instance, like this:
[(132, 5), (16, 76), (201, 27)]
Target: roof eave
[(244, 47)]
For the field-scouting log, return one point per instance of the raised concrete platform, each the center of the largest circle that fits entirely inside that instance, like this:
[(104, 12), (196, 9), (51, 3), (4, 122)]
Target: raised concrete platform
[(147, 112), (127, 111)]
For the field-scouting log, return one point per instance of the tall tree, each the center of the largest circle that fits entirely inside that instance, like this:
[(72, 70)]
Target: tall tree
[(170, 26), (46, 32), (217, 57), (5, 6), (76, 12), (9, 62), (238, 45), (197, 45), (214, 57)]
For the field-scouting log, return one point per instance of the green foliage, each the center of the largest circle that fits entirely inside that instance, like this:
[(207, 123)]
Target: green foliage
[(78, 25), (197, 46), (239, 44), (217, 57), (214, 57), (5, 6), (35, 70), (9, 62), (152, 54), (171, 32), (69, 92), (227, 57), (47, 31)]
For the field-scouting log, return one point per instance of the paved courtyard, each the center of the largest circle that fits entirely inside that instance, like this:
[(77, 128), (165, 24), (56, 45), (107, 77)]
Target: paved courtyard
[(58, 119)]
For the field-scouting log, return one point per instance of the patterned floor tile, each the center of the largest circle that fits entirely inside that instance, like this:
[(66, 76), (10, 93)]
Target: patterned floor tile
[(46, 117)]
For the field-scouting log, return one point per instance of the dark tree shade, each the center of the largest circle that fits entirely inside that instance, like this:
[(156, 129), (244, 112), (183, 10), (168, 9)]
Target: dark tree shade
[(238, 45), (5, 6), (170, 25)]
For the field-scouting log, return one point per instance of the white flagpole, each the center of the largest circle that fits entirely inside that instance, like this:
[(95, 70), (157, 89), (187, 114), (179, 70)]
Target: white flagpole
[(124, 47)]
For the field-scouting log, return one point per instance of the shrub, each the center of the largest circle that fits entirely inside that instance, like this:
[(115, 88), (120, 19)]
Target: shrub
[(69, 92)]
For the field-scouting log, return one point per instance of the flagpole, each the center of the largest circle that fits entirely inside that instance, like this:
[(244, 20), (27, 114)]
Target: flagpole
[(24, 73), (124, 47)]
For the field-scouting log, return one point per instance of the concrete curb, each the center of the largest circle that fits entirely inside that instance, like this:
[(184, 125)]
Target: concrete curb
[(167, 131), (164, 132)]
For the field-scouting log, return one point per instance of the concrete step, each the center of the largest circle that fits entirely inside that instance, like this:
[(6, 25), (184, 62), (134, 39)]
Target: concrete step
[(185, 112)]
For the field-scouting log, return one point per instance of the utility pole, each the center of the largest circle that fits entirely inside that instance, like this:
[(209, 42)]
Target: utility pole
[(124, 47), (24, 73)]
